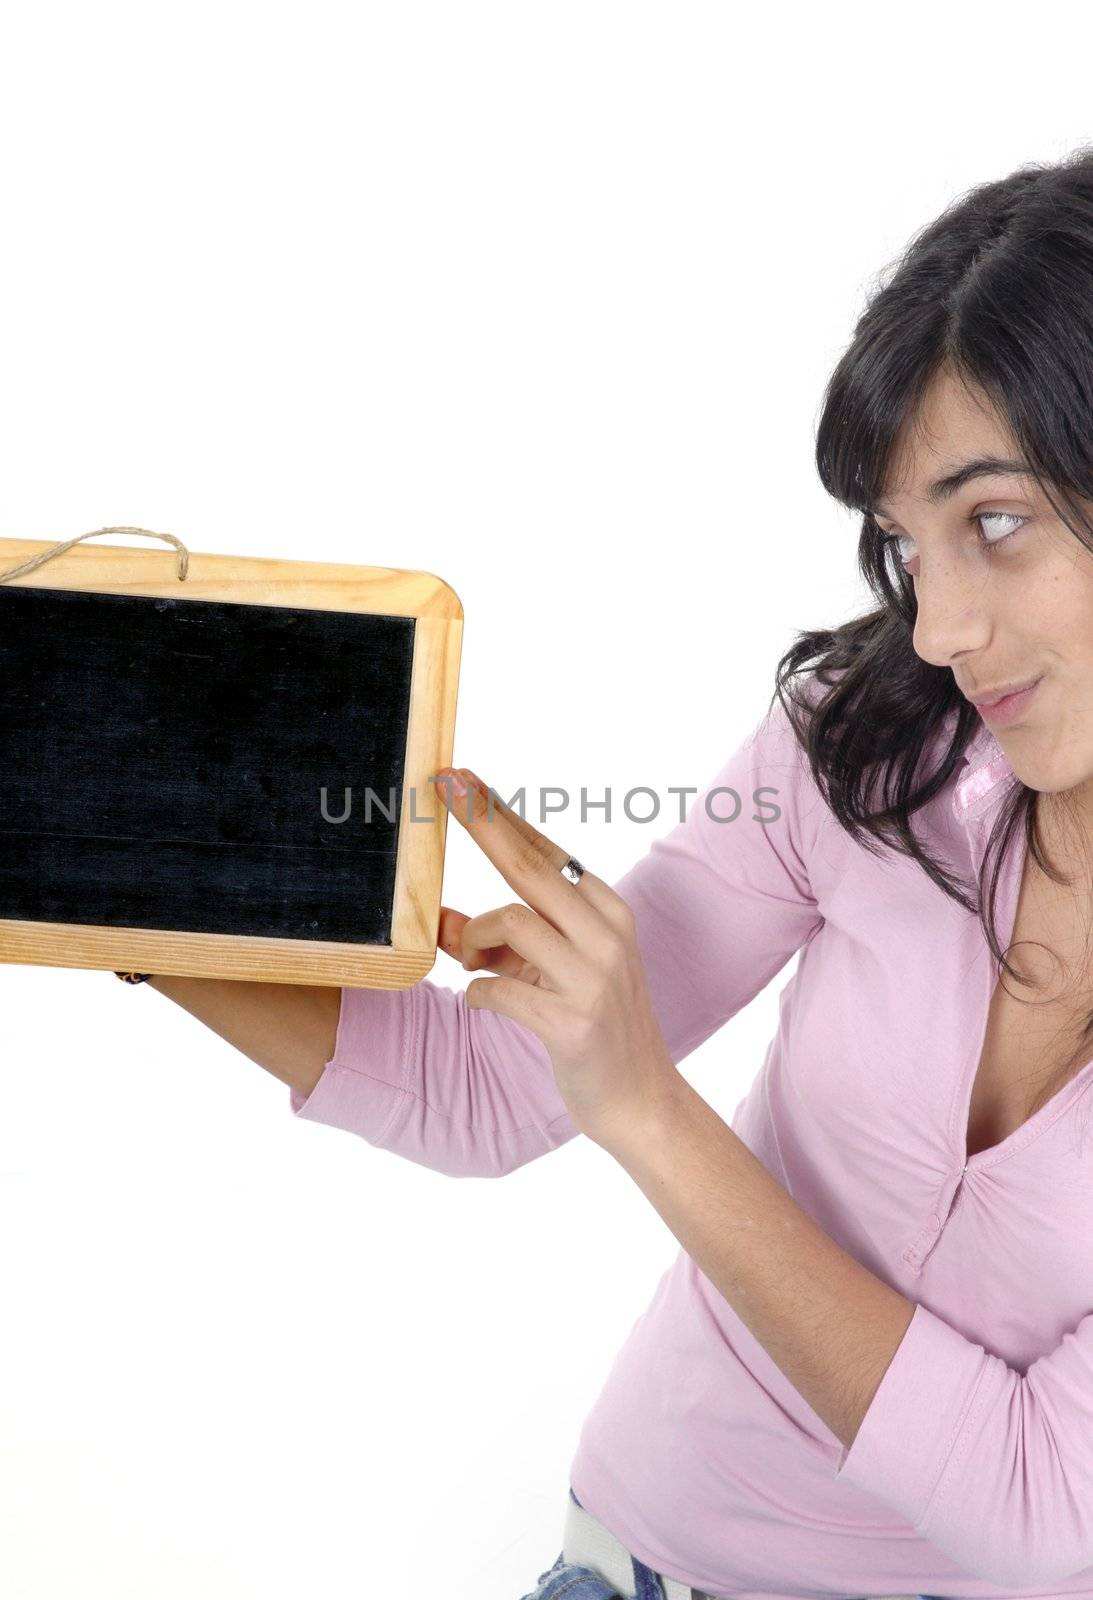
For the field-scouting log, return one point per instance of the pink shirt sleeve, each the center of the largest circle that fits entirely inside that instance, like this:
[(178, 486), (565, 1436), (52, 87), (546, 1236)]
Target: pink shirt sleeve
[(992, 1466), (720, 902)]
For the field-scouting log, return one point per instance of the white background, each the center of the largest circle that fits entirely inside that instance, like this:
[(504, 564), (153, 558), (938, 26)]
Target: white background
[(541, 299)]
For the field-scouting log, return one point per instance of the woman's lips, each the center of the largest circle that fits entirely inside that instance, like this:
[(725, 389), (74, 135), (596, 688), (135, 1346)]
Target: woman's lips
[(1010, 708)]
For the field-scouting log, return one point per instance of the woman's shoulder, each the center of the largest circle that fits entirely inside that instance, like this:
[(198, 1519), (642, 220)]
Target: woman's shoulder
[(780, 749)]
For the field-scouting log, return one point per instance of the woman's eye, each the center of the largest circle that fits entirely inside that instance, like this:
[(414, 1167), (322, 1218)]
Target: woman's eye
[(898, 539), (1004, 516), (901, 540)]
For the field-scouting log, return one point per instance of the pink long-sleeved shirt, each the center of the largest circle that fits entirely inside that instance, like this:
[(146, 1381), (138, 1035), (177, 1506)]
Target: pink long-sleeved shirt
[(972, 1471)]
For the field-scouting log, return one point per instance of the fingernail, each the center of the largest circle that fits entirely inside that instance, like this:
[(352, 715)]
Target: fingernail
[(457, 780)]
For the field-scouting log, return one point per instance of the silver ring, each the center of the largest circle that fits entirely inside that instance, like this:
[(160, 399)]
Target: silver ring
[(572, 870)]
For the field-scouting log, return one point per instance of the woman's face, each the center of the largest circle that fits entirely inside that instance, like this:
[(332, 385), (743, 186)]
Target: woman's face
[(1004, 589)]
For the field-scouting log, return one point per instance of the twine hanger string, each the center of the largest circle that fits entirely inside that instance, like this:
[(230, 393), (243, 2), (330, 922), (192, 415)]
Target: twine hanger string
[(182, 563)]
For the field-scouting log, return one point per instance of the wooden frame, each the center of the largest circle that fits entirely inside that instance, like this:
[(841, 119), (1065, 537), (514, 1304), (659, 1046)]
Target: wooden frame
[(386, 591)]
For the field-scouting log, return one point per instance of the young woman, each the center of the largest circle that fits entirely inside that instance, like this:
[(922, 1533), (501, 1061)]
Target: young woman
[(869, 1371)]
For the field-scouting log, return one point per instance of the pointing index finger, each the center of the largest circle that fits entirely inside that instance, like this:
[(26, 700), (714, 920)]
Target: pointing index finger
[(528, 861)]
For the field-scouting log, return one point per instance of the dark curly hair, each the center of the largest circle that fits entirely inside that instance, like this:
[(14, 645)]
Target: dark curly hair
[(998, 293)]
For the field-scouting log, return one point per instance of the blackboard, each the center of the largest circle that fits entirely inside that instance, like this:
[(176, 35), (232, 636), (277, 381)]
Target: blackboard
[(222, 769)]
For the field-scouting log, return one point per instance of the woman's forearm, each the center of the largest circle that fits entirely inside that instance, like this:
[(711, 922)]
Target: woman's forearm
[(287, 1028), (829, 1323)]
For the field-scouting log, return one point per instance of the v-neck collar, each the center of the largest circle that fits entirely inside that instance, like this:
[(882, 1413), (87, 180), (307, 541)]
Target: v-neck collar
[(987, 779), (988, 772)]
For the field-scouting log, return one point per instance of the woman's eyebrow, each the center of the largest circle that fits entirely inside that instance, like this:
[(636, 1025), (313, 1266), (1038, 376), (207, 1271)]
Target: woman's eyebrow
[(980, 467)]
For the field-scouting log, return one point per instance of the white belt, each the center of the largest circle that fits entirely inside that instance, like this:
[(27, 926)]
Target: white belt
[(588, 1543)]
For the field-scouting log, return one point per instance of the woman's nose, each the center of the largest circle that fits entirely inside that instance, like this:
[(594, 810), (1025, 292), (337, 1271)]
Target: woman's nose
[(952, 613)]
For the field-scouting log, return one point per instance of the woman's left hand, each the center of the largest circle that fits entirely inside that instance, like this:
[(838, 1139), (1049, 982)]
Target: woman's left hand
[(583, 989)]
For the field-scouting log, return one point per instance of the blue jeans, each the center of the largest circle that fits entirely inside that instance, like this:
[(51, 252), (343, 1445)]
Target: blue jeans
[(582, 1583), (566, 1578)]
